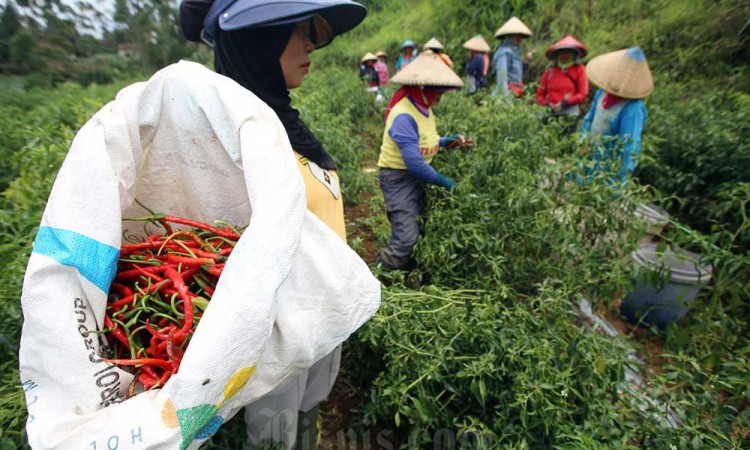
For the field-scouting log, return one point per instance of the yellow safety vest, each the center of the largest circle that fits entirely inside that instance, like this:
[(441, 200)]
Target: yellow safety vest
[(323, 194), (429, 139)]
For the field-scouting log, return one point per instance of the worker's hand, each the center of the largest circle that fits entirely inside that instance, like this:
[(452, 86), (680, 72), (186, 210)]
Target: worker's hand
[(556, 107), (445, 182), (465, 142)]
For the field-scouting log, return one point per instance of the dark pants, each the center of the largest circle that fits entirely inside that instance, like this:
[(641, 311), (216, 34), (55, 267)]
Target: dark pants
[(404, 202)]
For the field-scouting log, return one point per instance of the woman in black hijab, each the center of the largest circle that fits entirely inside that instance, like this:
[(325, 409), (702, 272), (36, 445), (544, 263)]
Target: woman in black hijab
[(265, 46)]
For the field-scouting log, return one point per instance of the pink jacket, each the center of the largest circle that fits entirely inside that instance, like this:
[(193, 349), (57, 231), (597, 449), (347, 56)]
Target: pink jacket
[(382, 69)]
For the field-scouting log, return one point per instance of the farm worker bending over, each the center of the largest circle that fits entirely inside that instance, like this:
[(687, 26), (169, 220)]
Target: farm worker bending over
[(435, 45), (476, 66), (564, 86), (408, 53), (410, 142), (382, 67), (265, 46), (507, 62), (617, 115)]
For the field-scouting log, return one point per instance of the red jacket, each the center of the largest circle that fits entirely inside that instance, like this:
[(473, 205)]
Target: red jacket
[(557, 82)]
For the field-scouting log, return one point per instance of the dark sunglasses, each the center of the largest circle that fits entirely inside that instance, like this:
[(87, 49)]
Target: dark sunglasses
[(317, 29)]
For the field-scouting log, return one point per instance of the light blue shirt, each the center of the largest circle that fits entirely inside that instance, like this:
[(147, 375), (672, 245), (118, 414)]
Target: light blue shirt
[(616, 131), (508, 67)]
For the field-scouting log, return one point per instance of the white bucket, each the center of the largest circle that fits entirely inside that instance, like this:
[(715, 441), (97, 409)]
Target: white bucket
[(655, 218)]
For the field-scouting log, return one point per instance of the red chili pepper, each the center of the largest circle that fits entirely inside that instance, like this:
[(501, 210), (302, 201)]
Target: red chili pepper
[(163, 380), (140, 362), (189, 234), (149, 290), (187, 302), (187, 261), (216, 270), (122, 289), (128, 249), (155, 333), (223, 232), (204, 254), (150, 371), (154, 349), (173, 351), (139, 271), (175, 267), (116, 331), (149, 275), (147, 380)]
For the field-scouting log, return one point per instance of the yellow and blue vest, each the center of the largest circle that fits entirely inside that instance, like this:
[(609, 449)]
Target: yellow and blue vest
[(429, 139)]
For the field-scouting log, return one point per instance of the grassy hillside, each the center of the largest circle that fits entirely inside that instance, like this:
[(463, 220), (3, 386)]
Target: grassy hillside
[(691, 37), (698, 51)]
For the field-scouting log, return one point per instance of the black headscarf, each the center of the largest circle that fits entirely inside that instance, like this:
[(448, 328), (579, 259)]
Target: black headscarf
[(250, 57)]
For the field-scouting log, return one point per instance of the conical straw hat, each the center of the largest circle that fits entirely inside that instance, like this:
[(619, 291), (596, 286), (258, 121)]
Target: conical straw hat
[(513, 26), (567, 43), (428, 69), (433, 44), (624, 73), (369, 57), (408, 43), (477, 44), (381, 53)]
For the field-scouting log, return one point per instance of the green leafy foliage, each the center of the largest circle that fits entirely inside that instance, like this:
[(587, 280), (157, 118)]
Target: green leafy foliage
[(38, 127), (700, 152), (520, 372), (518, 216)]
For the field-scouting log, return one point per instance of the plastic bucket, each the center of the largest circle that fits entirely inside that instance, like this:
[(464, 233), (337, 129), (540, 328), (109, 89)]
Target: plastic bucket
[(655, 218), (669, 281)]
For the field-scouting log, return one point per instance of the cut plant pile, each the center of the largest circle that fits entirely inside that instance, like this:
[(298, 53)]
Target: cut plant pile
[(161, 288)]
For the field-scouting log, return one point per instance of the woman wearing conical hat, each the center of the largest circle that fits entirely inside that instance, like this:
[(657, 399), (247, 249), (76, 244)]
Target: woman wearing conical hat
[(370, 77), (435, 45), (476, 68), (265, 46), (367, 72), (382, 67), (507, 63), (617, 116), (408, 53), (410, 142), (564, 85)]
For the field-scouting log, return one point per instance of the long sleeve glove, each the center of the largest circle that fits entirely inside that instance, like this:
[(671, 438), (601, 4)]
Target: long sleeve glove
[(445, 182)]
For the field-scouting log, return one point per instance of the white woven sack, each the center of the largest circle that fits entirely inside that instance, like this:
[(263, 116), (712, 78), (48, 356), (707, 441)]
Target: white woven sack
[(194, 144)]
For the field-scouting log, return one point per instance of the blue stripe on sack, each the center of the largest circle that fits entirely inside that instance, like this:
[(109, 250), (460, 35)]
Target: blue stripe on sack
[(94, 260)]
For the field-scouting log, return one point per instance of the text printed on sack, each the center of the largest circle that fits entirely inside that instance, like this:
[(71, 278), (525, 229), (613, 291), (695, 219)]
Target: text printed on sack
[(115, 442), (107, 379)]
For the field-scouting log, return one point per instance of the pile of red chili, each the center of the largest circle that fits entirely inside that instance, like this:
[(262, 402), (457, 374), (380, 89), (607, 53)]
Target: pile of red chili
[(159, 293)]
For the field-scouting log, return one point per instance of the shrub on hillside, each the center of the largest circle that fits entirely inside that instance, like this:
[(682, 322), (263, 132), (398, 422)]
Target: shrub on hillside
[(699, 151), (101, 69)]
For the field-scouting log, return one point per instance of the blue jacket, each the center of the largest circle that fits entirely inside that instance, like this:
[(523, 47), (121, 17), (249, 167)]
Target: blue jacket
[(508, 67), (624, 132), (475, 66), (402, 62)]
